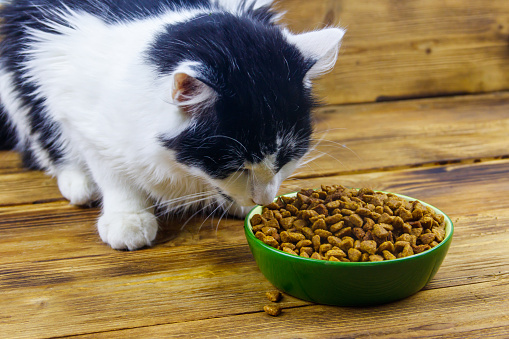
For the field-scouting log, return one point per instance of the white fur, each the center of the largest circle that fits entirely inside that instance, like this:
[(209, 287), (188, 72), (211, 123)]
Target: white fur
[(322, 46), (97, 86)]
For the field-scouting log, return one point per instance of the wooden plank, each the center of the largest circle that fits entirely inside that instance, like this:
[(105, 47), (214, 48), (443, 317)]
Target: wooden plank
[(396, 49), (409, 133), (208, 273), (375, 136), (482, 311), (9, 162), (27, 187)]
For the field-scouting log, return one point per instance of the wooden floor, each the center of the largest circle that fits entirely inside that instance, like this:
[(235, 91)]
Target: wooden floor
[(57, 278)]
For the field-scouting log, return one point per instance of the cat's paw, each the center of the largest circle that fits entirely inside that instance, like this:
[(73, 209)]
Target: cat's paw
[(77, 187), (129, 231)]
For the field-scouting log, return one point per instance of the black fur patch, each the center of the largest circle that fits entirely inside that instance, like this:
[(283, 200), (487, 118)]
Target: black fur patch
[(7, 135), (258, 77)]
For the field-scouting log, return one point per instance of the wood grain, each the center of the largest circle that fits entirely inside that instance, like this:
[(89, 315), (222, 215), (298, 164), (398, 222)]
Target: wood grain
[(91, 288), (408, 49), (434, 313), (366, 137)]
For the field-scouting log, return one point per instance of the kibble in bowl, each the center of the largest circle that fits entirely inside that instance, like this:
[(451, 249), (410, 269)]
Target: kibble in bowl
[(348, 247)]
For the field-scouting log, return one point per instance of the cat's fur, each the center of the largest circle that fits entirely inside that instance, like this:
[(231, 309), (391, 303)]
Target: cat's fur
[(197, 104)]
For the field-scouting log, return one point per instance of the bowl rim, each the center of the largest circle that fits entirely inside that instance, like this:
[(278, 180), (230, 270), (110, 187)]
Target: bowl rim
[(249, 233)]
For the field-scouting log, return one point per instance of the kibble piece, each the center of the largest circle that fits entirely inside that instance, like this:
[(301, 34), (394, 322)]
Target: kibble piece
[(316, 242), (269, 230), (368, 224), (306, 214), (308, 250), (417, 231), (295, 237), (386, 246), (287, 223), (346, 243), (376, 257), (368, 246), (426, 222), (400, 245), (379, 231), (363, 211), (439, 233), (364, 257), (354, 254), (427, 238), (324, 248), (333, 219), (334, 241), (303, 243), (335, 253), (407, 251), (288, 245), (333, 205), (260, 235), (388, 255), (344, 232), (355, 220), (289, 250), (299, 224), (316, 255), (421, 248), (273, 310), (385, 219), (304, 254), (358, 232), (274, 296), (337, 226), (269, 240), (256, 219), (323, 233), (308, 232), (292, 209), (319, 224)]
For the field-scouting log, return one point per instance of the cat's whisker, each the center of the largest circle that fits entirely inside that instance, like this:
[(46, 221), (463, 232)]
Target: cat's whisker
[(225, 212), (193, 215), (210, 214)]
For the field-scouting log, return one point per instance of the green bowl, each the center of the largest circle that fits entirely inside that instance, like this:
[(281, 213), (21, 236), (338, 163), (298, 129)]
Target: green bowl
[(348, 283)]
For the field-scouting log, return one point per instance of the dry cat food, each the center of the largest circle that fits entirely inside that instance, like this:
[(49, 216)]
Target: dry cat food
[(337, 223), (274, 296), (273, 310)]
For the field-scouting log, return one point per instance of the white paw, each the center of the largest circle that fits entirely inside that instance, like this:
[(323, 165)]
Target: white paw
[(127, 230), (77, 187)]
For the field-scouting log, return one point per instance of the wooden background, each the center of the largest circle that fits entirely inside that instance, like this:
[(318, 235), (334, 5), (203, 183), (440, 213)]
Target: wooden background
[(397, 49), (440, 134)]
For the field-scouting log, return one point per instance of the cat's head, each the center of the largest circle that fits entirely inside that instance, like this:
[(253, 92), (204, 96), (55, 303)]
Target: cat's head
[(244, 89)]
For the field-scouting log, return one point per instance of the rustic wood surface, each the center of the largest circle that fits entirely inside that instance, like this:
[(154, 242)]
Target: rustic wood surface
[(58, 279), (406, 49)]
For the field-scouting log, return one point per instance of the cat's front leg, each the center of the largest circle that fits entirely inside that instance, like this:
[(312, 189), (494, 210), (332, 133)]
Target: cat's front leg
[(127, 220)]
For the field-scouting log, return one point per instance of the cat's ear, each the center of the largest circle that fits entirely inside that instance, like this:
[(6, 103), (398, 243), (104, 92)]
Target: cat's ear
[(321, 47), (190, 93)]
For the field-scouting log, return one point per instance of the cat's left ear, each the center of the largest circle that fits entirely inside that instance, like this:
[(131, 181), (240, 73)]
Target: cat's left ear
[(190, 93), (321, 47)]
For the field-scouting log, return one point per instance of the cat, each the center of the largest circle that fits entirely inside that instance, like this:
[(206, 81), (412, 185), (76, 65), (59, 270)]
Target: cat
[(190, 105)]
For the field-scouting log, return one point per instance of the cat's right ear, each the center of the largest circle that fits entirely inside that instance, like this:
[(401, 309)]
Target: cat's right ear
[(190, 93), (321, 47)]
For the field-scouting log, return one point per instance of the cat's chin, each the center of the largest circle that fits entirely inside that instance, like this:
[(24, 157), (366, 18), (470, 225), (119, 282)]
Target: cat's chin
[(239, 211)]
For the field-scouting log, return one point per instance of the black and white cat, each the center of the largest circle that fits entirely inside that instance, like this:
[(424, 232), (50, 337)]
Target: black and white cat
[(198, 104)]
